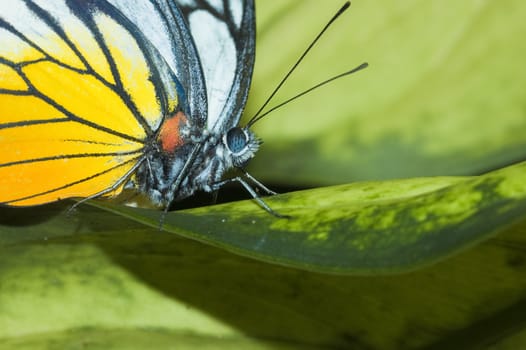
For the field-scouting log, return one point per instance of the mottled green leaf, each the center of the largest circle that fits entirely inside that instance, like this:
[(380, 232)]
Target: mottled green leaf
[(358, 228), (117, 287)]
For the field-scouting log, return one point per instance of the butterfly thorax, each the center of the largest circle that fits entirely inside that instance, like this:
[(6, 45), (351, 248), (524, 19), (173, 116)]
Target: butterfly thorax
[(184, 159)]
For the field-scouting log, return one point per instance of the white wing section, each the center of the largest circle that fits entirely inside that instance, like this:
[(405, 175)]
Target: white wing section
[(219, 59), (148, 19), (224, 34)]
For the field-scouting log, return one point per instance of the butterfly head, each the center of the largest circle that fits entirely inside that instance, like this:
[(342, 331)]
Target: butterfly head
[(241, 144)]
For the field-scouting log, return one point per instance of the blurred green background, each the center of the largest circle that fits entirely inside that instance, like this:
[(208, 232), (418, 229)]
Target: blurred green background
[(444, 93)]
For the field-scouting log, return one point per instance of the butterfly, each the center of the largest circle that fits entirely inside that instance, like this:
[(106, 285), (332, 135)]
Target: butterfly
[(99, 96)]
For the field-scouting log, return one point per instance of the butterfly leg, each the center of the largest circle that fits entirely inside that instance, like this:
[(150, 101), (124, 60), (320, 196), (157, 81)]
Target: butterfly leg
[(253, 193), (257, 183)]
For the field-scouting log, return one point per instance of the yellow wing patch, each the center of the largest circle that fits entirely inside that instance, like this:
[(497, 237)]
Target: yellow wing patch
[(52, 180), (33, 143), (76, 109), (132, 66), (84, 96), (19, 109), (83, 40), (10, 80)]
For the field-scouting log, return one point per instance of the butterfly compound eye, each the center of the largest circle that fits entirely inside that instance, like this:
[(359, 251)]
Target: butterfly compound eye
[(236, 140)]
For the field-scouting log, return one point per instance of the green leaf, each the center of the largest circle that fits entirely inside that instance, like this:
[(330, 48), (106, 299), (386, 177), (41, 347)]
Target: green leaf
[(136, 286), (358, 228), (137, 339)]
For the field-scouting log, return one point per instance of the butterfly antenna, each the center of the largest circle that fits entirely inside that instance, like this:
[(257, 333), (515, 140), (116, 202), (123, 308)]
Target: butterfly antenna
[(354, 70), (257, 116)]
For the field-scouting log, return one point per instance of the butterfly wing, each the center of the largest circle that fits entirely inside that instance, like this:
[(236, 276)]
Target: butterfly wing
[(85, 86), (224, 35), (81, 91)]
